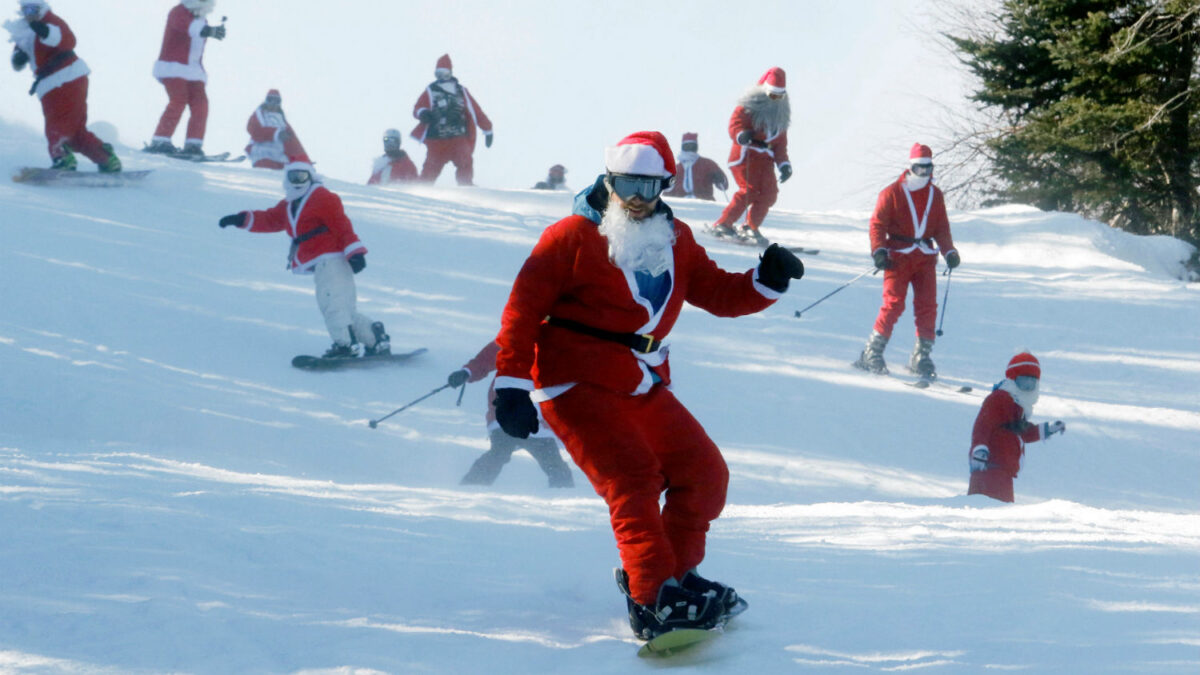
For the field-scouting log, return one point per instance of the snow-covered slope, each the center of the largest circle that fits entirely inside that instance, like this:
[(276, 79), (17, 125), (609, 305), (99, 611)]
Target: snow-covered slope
[(174, 497)]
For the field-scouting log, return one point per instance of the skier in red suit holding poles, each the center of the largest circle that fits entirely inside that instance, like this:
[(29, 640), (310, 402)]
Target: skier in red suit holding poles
[(582, 335)]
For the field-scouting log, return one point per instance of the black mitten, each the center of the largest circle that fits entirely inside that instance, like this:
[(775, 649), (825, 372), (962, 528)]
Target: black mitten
[(515, 412), (236, 220), (358, 262), (777, 266)]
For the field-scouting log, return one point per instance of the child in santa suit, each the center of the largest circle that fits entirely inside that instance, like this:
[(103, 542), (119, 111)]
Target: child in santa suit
[(1002, 429)]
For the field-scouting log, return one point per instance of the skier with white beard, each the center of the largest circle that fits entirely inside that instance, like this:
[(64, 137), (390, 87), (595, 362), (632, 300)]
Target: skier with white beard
[(324, 245), (582, 334)]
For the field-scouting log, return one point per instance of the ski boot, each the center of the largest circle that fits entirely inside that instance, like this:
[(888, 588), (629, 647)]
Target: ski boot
[(727, 599), (751, 235), (113, 163), (920, 362), (160, 147), (383, 343), (724, 231), (191, 150), (674, 608), (871, 358), (65, 161)]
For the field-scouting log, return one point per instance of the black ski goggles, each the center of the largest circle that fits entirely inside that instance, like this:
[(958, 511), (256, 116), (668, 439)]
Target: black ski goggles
[(29, 11), (274, 100), (298, 176), (627, 186), (921, 170)]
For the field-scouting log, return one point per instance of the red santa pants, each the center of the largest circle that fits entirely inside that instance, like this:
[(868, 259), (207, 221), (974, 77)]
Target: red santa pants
[(920, 270), (995, 483), (757, 189), (632, 448), (459, 150), (182, 94), (65, 112)]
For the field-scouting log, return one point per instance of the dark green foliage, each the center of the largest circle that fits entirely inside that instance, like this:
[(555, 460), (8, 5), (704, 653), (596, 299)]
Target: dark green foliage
[(1099, 104)]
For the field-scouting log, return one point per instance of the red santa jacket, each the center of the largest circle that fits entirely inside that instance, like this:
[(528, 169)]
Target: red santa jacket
[(901, 216), (1002, 427), (393, 170), (569, 276), (319, 228), (697, 179), (53, 58), (475, 116), (776, 143), (182, 53), (265, 126)]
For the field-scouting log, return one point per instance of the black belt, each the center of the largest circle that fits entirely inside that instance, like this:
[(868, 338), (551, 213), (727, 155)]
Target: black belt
[(928, 241), (49, 68), (300, 240), (643, 344)]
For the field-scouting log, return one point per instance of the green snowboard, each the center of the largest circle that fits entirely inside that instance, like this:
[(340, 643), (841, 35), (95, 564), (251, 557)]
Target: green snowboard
[(673, 642)]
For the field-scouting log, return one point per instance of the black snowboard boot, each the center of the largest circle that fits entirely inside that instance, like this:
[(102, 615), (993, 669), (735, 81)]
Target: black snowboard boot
[(676, 607), (383, 343), (920, 362), (344, 351), (727, 598), (872, 355)]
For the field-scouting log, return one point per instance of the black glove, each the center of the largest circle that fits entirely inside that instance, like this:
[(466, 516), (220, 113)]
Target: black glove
[(217, 32), (776, 266), (785, 172), (357, 262), (426, 116), (515, 412), (458, 378), (744, 137), (19, 59), (882, 259), (952, 259), (286, 135), (236, 220), (40, 28), (487, 140)]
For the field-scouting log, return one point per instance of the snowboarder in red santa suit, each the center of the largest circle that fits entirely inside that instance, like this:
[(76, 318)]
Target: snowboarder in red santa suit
[(180, 68), (541, 443), (556, 179), (273, 142), (1002, 429), (44, 41), (394, 166), (758, 128), (583, 333), (909, 219), (696, 176), (324, 245), (448, 116)]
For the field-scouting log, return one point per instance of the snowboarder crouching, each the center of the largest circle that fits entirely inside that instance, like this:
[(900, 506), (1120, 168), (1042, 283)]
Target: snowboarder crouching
[(556, 179), (1002, 429), (273, 142), (696, 176), (323, 244), (394, 166), (541, 443), (582, 334)]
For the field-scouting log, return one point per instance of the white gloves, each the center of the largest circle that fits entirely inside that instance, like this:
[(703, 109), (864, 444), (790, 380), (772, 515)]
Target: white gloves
[(1051, 428), (979, 458)]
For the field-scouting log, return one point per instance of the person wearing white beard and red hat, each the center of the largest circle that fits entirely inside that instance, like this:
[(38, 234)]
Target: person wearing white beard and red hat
[(696, 176), (180, 69), (1002, 429), (909, 219), (582, 334), (273, 141), (758, 128), (42, 40), (448, 116)]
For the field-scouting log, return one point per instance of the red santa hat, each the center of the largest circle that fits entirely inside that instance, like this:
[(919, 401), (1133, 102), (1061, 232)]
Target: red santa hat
[(920, 154), (200, 7), (645, 153), (443, 62), (1023, 364), (774, 81), (42, 6), (691, 137)]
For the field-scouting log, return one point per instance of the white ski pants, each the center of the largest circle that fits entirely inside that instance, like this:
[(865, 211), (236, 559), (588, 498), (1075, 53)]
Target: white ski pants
[(337, 298)]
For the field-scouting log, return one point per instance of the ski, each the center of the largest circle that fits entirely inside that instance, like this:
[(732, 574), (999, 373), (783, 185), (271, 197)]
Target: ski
[(37, 176), (919, 382), (750, 242), (306, 362), (189, 157)]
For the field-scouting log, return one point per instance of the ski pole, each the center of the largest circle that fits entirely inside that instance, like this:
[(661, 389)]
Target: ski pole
[(870, 271), (945, 298), (375, 423)]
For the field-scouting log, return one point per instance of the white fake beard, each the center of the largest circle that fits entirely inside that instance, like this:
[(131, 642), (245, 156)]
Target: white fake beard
[(295, 191), (637, 245), (201, 7), (770, 116), (914, 183), (1025, 399)]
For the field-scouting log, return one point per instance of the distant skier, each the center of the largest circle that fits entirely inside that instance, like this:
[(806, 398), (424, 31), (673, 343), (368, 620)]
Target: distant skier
[(582, 334), (556, 179), (1002, 429), (541, 443), (448, 116), (45, 42), (758, 128), (180, 68), (696, 176), (273, 142), (395, 166), (909, 218), (323, 244)]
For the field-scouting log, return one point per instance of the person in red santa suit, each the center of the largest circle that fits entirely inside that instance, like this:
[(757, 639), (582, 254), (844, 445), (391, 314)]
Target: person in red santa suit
[(180, 68), (696, 176), (909, 219), (758, 128), (1002, 429), (556, 179), (395, 166), (582, 334), (448, 116), (541, 443), (324, 245), (43, 41), (273, 141)]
